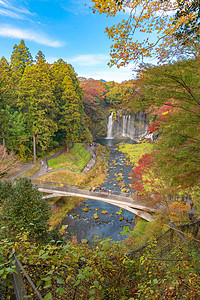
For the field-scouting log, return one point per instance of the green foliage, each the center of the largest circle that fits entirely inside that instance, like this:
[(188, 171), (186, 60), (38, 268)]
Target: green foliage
[(36, 103), (135, 152), (20, 58), (75, 160), (49, 99), (23, 210), (103, 271), (172, 92)]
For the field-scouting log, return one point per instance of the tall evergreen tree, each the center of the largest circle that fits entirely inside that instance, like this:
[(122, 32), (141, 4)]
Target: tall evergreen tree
[(69, 104), (40, 57), (37, 104), (20, 58), (70, 121), (5, 97)]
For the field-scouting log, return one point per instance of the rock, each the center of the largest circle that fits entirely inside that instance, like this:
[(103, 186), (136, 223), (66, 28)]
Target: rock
[(96, 216), (84, 241), (85, 209), (121, 184), (120, 174)]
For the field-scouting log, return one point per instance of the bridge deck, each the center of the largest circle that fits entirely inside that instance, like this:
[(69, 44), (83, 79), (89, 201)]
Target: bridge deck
[(127, 203)]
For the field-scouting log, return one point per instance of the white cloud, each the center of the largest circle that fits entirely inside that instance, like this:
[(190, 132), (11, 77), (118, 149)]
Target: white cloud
[(89, 60), (38, 37), (95, 66), (111, 74), (13, 11), (77, 6)]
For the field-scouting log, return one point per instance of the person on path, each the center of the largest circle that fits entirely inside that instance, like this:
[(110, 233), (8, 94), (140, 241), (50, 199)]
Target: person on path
[(191, 204)]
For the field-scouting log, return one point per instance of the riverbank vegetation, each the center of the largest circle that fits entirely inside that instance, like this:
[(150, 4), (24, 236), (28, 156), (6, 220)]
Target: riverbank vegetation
[(94, 177)]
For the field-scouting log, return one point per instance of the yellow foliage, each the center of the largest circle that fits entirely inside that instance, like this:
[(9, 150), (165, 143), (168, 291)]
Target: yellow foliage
[(146, 17)]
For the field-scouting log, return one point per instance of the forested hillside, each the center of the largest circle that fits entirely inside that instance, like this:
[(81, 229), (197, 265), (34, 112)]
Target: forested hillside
[(41, 104), (44, 105)]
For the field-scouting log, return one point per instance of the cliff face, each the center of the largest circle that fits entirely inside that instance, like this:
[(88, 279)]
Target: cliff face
[(96, 122)]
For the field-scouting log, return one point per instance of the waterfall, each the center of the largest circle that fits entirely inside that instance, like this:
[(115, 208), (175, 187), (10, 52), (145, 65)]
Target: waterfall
[(128, 126), (110, 126), (124, 126)]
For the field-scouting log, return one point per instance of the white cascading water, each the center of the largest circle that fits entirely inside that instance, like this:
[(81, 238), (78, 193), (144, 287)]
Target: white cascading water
[(124, 126), (131, 126), (110, 126)]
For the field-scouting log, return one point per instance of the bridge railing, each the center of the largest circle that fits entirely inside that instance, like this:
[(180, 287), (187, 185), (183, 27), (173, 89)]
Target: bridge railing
[(53, 184), (100, 194)]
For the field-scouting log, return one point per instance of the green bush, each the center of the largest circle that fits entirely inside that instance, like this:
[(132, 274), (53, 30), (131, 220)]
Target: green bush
[(23, 210)]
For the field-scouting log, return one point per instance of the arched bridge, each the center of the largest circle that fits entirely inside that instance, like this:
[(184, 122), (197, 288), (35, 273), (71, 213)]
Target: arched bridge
[(122, 201)]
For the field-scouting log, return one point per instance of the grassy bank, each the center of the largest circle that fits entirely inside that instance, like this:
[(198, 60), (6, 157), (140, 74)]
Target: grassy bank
[(60, 207), (135, 151), (74, 160), (95, 177)]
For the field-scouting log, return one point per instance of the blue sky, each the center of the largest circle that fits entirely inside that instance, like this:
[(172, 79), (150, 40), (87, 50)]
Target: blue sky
[(64, 29)]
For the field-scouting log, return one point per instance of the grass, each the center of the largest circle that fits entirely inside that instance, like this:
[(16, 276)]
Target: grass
[(145, 231), (63, 206), (64, 176), (134, 152), (95, 177), (74, 160)]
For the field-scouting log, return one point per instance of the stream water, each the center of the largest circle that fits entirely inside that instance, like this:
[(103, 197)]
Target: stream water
[(83, 225)]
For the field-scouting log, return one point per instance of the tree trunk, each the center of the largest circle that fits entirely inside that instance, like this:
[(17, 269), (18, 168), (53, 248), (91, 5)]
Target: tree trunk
[(4, 144), (34, 149), (67, 148)]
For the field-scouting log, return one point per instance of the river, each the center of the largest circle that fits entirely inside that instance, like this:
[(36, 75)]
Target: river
[(99, 219)]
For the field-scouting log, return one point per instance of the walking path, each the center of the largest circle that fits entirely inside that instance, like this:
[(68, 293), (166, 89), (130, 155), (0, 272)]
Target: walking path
[(44, 167), (22, 168)]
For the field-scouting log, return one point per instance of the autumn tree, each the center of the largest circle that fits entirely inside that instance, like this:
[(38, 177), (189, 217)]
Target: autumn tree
[(36, 102), (171, 95), (191, 26), (157, 22), (115, 94), (93, 91)]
